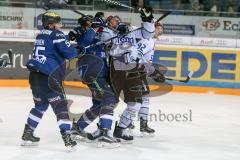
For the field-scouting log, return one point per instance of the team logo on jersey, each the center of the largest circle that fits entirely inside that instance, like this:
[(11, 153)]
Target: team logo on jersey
[(125, 39), (54, 99), (125, 42)]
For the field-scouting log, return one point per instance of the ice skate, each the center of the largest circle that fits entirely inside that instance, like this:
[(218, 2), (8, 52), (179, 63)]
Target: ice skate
[(122, 134), (28, 138), (77, 134), (145, 130), (69, 143), (103, 137)]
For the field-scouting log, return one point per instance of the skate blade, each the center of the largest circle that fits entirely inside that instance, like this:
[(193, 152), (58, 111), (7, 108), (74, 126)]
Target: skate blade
[(78, 138), (90, 141), (122, 141), (28, 143), (108, 145), (145, 134), (70, 148)]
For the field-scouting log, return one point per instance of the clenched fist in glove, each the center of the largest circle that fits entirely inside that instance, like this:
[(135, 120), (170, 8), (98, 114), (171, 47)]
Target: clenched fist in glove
[(146, 14), (157, 76), (81, 50)]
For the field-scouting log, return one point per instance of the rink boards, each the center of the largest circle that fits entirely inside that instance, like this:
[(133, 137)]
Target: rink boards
[(212, 67), (215, 70)]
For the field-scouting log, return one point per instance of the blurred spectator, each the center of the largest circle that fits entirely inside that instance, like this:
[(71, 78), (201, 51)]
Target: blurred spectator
[(197, 7), (178, 5), (20, 3), (231, 11), (215, 8), (140, 3)]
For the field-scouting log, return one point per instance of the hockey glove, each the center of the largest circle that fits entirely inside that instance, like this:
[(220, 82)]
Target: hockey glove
[(146, 14), (76, 33), (157, 76), (122, 28), (72, 36), (3, 63), (81, 50)]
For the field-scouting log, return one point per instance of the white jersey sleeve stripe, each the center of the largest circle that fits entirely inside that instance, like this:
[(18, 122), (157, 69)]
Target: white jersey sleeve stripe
[(58, 41)]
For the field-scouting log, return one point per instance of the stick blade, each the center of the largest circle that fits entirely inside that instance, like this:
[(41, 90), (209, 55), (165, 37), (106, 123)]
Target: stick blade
[(190, 74)]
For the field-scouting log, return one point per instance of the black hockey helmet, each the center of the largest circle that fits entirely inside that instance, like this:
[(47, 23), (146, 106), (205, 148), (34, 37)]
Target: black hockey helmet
[(84, 20), (50, 17), (122, 28), (99, 15)]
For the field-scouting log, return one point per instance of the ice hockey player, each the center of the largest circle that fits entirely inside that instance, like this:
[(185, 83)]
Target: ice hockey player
[(124, 71), (110, 30), (84, 23), (47, 71), (146, 49), (93, 70)]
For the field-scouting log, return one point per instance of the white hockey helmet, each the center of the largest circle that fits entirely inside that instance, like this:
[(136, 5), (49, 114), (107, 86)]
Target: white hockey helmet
[(148, 30)]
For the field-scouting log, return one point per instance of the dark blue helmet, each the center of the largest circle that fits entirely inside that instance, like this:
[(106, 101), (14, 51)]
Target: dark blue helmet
[(122, 28), (84, 20)]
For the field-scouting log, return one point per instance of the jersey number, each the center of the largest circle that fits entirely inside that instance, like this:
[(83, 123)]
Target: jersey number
[(39, 57), (141, 46)]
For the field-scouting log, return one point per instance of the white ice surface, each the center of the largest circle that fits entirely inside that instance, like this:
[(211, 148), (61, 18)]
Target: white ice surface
[(213, 133)]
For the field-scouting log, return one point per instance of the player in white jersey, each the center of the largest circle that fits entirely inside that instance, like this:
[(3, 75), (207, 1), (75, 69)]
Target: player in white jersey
[(146, 49), (124, 73), (110, 30)]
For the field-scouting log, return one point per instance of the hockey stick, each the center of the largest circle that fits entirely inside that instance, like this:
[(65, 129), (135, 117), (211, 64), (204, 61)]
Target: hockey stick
[(110, 39), (84, 15), (189, 76), (163, 16), (118, 4)]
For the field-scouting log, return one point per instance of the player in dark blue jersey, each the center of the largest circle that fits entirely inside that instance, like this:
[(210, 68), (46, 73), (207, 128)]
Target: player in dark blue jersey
[(47, 71), (94, 72), (84, 23)]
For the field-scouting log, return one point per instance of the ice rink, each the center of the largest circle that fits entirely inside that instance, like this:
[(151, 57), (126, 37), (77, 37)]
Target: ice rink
[(210, 130)]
